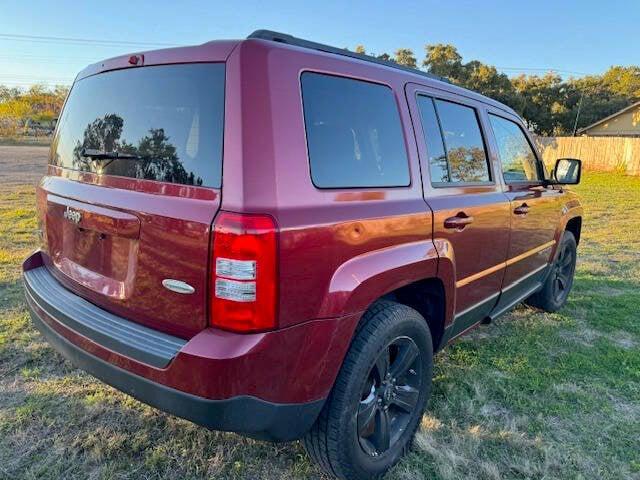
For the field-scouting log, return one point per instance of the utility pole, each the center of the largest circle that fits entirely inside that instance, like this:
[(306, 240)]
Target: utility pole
[(575, 125)]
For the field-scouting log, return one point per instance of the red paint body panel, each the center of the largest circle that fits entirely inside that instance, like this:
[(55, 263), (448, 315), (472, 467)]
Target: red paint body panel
[(339, 250), (487, 238), (536, 228)]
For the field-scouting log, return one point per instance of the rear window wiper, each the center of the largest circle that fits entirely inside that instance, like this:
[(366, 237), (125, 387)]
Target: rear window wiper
[(94, 154)]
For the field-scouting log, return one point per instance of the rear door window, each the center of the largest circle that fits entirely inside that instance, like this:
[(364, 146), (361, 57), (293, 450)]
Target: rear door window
[(438, 164), (354, 134), (167, 119), (519, 163), (466, 155)]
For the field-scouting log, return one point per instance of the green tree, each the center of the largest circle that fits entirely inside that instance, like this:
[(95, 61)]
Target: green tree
[(487, 80), (549, 104), (540, 101), (444, 61), (589, 99), (102, 134), (405, 56), (467, 164)]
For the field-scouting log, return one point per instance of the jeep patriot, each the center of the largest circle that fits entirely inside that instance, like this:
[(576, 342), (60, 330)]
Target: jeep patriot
[(273, 237)]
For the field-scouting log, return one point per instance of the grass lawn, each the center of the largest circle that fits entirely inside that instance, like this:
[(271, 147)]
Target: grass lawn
[(531, 396)]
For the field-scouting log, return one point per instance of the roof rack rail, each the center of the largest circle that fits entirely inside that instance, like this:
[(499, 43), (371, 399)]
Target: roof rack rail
[(299, 42)]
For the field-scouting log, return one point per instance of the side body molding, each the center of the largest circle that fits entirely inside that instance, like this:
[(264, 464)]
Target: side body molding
[(361, 280)]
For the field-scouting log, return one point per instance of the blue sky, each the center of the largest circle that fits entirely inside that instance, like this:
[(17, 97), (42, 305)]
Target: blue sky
[(571, 36)]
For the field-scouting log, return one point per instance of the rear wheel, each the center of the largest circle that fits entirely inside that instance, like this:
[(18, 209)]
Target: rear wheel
[(379, 396), (555, 291)]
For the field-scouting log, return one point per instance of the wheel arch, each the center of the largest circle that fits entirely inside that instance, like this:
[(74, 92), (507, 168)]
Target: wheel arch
[(571, 220), (428, 298), (574, 225), (408, 274)]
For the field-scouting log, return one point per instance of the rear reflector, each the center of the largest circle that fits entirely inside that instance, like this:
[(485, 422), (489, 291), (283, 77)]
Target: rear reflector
[(244, 273)]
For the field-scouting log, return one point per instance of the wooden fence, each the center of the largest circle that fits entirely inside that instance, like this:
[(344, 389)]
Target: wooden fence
[(620, 154)]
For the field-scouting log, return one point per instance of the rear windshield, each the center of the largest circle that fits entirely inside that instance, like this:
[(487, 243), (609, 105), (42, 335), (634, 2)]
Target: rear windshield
[(166, 120)]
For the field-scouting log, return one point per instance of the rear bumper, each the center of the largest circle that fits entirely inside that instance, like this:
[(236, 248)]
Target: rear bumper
[(270, 385), (245, 414)]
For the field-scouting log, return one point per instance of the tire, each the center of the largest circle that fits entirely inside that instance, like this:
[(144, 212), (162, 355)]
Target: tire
[(555, 290), (348, 441)]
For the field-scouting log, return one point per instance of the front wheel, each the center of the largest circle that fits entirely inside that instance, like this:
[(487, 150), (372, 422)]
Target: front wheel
[(379, 396), (555, 290)]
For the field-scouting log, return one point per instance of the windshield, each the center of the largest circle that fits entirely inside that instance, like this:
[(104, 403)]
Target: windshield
[(165, 123)]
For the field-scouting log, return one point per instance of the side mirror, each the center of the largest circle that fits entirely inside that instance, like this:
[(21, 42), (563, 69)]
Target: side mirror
[(567, 171)]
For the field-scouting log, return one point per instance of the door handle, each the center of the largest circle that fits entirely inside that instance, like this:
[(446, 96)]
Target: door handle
[(522, 209), (459, 222)]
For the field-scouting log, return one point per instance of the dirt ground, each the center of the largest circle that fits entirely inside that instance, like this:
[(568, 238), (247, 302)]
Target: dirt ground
[(21, 165)]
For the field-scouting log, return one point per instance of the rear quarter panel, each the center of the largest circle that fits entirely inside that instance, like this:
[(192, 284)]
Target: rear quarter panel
[(335, 244)]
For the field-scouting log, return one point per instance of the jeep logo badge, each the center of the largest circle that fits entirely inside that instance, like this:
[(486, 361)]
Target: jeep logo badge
[(72, 215)]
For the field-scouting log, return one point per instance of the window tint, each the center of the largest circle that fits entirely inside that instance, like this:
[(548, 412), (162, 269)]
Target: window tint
[(438, 167), (463, 140), (354, 134), (169, 117), (519, 163)]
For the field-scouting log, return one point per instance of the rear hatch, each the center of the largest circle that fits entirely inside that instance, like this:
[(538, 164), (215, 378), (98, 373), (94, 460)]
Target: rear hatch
[(133, 187)]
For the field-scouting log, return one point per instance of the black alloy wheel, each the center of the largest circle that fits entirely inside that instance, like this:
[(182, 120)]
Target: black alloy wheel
[(563, 272), (389, 396)]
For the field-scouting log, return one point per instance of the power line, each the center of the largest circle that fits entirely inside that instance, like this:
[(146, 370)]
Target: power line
[(543, 69), (27, 77), (102, 42), (29, 84), (109, 43), (44, 58), (80, 41)]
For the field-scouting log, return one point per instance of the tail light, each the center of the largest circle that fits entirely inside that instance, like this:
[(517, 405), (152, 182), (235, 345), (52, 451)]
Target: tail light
[(244, 273)]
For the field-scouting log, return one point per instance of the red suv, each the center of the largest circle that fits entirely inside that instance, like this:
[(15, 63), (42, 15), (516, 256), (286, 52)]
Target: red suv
[(273, 237)]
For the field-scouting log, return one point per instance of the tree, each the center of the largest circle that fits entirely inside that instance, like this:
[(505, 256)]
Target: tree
[(535, 100), (8, 93), (549, 104), (589, 99), (19, 108), (404, 56), (102, 134), (444, 61), (467, 164), (157, 157), (12, 113), (14, 109), (624, 81), (487, 80)]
